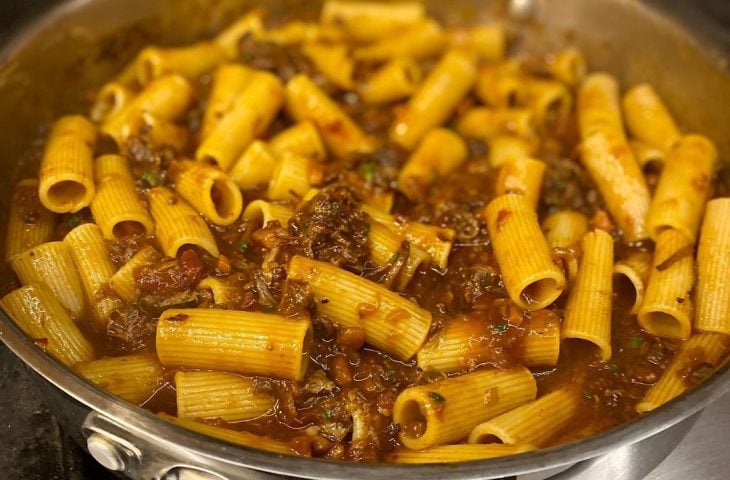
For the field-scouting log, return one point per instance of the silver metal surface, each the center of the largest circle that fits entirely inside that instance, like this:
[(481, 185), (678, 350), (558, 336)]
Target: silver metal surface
[(57, 55), (105, 452)]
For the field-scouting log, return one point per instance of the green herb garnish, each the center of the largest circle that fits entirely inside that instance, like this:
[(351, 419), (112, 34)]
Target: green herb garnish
[(73, 221), (636, 342), (368, 170), (150, 178), (390, 372), (243, 247), (328, 414), (436, 397), (613, 367), (501, 327), (395, 257)]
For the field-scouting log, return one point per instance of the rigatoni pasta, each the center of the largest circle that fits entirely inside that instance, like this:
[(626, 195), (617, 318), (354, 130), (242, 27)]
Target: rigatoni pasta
[(445, 411), (588, 311), (712, 296), (29, 222), (532, 280), (399, 201), (66, 177), (37, 312), (117, 207), (435, 99), (177, 224), (133, 378)]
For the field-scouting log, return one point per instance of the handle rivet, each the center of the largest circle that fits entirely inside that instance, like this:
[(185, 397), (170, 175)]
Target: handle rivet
[(105, 452)]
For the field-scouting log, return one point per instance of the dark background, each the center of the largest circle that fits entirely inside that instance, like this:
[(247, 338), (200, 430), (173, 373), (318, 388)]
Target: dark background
[(31, 444)]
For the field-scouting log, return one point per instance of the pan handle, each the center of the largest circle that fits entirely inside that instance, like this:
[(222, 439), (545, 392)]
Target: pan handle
[(142, 457)]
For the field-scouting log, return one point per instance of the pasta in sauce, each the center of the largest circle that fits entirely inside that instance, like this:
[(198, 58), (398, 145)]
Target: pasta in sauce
[(375, 238)]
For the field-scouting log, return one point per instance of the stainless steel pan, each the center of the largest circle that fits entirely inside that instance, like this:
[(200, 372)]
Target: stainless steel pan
[(48, 68)]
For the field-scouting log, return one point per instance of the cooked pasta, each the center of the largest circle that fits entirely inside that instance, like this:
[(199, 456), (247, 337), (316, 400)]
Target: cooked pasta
[(372, 236)]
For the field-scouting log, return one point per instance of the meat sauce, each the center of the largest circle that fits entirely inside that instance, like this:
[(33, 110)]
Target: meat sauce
[(342, 408)]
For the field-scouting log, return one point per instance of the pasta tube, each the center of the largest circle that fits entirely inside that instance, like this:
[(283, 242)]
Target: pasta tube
[(301, 139), (343, 137), (667, 308), (243, 342), (683, 188), (598, 107), (208, 190), (333, 61), (261, 213), (700, 350), (501, 85), (541, 339), (487, 42), (190, 62), (251, 114), (435, 241), (390, 322), (229, 81), (177, 224), (457, 453), (531, 278), (165, 99), (531, 424), (395, 80), (110, 100), (648, 119), (435, 99), (385, 246), (133, 378), (249, 24), (37, 312), (550, 103), (123, 280), (87, 247), (29, 222), (568, 66), (219, 395), (521, 176), (66, 177), (447, 410), (588, 312), (713, 265), (630, 276), (254, 167), (51, 265), (232, 436), (157, 131), (423, 39), (116, 207), (290, 179), (487, 123), (367, 21), (612, 166), (507, 148), (650, 159), (440, 152), (565, 228)]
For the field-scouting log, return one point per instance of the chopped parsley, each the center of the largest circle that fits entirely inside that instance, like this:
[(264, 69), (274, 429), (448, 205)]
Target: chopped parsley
[(395, 257), (436, 397), (613, 367), (636, 342), (368, 170), (328, 414), (243, 247), (390, 372), (501, 327), (73, 221), (150, 178)]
